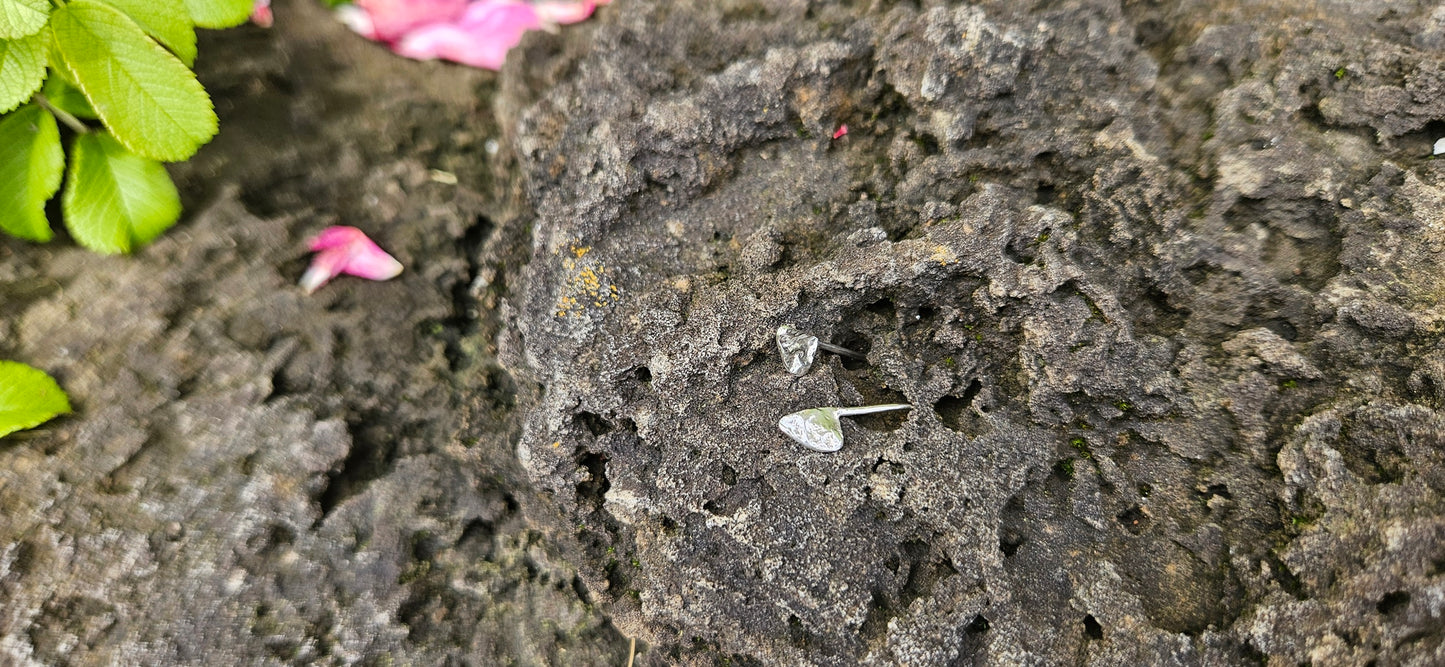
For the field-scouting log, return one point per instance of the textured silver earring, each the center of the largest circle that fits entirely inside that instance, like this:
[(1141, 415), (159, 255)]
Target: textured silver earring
[(799, 348), (818, 429)]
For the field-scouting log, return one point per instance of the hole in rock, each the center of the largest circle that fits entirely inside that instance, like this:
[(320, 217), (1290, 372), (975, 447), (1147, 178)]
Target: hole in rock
[(885, 422), (1046, 194), (796, 633), (593, 490), (1134, 520), (1021, 251), (927, 142), (476, 539), (857, 343), (373, 453), (579, 588), (1092, 630), (1393, 602), (973, 641), (594, 423), (1013, 526), (954, 411), (883, 307)]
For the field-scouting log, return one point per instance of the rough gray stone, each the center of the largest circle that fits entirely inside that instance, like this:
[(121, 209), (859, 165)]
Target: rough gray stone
[(255, 476), (1159, 278)]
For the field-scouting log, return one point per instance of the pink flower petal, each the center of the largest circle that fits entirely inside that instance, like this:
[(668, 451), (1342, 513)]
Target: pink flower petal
[(842, 130), (337, 237), (562, 12), (475, 32), (358, 20), (347, 250), (391, 19), (261, 14), (481, 37)]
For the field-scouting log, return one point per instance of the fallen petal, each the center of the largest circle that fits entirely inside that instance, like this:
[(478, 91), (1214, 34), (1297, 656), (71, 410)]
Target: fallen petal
[(1439, 146), (448, 42), (261, 14), (562, 12), (480, 38), (337, 236), (389, 20), (347, 250), (324, 266), (373, 264), (842, 130), (358, 20), (477, 33)]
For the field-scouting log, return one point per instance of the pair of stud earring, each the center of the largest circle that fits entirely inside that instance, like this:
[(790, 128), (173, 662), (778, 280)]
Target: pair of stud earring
[(818, 429)]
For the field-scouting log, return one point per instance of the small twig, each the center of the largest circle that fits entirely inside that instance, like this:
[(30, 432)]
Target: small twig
[(631, 651), (70, 121)]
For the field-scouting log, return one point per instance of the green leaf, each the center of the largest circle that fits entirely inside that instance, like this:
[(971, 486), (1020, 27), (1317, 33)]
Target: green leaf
[(218, 13), (165, 20), (116, 200), (21, 18), (28, 398), (22, 68), (31, 164), (67, 98), (149, 100)]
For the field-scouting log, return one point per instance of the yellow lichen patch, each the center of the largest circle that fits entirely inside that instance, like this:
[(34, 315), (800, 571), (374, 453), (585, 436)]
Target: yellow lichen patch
[(586, 284), (944, 255)]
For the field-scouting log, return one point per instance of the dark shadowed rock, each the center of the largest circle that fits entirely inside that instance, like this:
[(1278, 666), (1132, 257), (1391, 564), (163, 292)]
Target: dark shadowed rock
[(1160, 280), (255, 476)]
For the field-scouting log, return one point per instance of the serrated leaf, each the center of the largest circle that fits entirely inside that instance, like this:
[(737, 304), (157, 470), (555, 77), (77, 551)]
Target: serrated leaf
[(28, 398), (31, 164), (22, 68), (21, 18), (149, 100), (167, 21), (67, 98), (115, 200), (219, 13)]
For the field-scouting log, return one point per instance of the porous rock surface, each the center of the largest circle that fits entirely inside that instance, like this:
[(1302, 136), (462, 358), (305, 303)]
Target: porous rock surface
[(256, 476), (1160, 279)]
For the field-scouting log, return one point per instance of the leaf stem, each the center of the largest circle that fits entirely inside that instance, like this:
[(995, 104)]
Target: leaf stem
[(64, 116)]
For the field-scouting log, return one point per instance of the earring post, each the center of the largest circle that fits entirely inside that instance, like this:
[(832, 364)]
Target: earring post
[(870, 409)]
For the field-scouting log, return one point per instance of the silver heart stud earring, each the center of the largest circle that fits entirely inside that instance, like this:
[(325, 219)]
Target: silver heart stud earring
[(799, 349), (819, 429)]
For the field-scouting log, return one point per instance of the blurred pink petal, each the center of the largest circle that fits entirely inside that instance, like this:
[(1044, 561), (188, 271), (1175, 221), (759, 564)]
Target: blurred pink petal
[(261, 14), (563, 12), (842, 130), (347, 250), (357, 19), (391, 19), (481, 37), (475, 32)]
